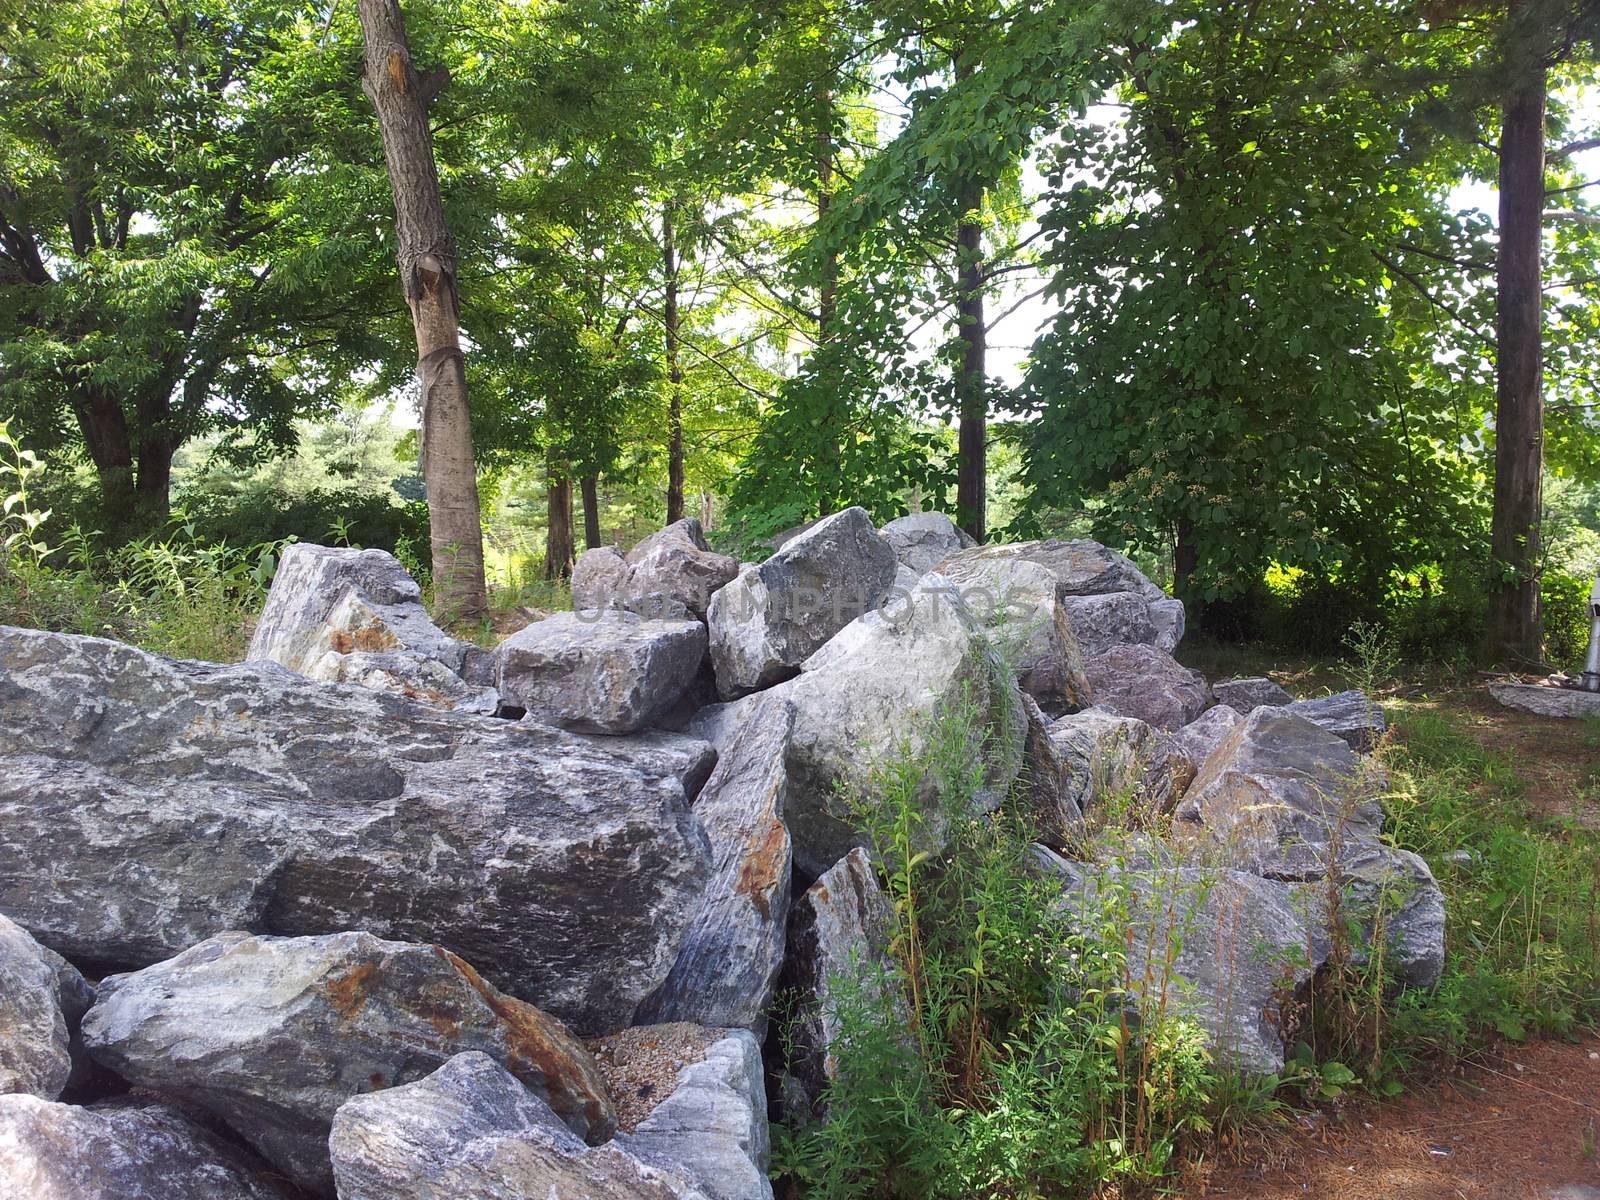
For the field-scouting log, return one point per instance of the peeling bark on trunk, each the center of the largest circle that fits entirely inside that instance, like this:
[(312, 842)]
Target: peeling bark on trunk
[(558, 547), (591, 512), (428, 265), (669, 266), (1514, 634)]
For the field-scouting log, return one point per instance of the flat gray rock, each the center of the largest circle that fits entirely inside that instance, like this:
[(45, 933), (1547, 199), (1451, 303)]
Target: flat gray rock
[(1349, 715), (1148, 683), (1246, 695), (729, 962), (1541, 701), (471, 1131), (693, 1101), (921, 541), (1278, 779), (182, 799), (772, 617), (608, 671), (127, 1150), (272, 1035), (42, 1001)]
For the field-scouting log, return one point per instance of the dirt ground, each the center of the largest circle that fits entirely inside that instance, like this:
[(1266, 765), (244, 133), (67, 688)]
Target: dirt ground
[(1521, 1127)]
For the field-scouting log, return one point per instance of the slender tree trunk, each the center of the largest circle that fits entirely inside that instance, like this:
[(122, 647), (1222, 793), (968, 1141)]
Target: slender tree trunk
[(827, 304), (1514, 635), (1185, 562), (669, 266), (591, 512), (428, 267), (971, 379), (558, 547)]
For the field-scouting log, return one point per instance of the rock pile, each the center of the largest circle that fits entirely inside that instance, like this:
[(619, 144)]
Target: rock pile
[(377, 913)]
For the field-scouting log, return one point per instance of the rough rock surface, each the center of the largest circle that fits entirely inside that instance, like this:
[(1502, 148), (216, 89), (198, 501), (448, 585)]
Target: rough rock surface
[(1117, 760), (597, 577), (921, 541), (329, 600), (121, 1151), (674, 573), (1546, 701), (876, 688), (603, 672), (1350, 715), (700, 1104), (42, 1001), (1148, 683), (1225, 948), (1378, 884), (1275, 779), (1111, 619), (471, 1130), (1018, 601), (182, 799), (838, 953), (1053, 787), (729, 961), (1196, 740), (772, 617), (1246, 695), (272, 1035)]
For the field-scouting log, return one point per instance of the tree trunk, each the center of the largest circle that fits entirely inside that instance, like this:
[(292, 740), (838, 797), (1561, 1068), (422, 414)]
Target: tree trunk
[(1514, 635), (428, 267), (827, 303), (669, 266), (106, 438), (558, 548), (591, 512), (971, 378), (1185, 562)]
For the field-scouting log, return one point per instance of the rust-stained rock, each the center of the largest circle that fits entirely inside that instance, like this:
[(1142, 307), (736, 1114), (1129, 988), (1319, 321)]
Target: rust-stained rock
[(725, 971), (272, 1035)]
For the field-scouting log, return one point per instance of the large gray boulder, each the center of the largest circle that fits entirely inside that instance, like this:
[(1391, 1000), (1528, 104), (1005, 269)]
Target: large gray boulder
[(471, 1131), (1196, 740), (1224, 949), (692, 1101), (1246, 695), (1020, 604), (1119, 765), (838, 972), (608, 671), (1111, 619), (147, 804), (272, 1035), (1148, 683), (1276, 779), (327, 603), (881, 690), (674, 573), (1379, 888), (597, 576), (127, 1150), (772, 617), (1349, 715), (42, 1001), (921, 541), (730, 959)]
